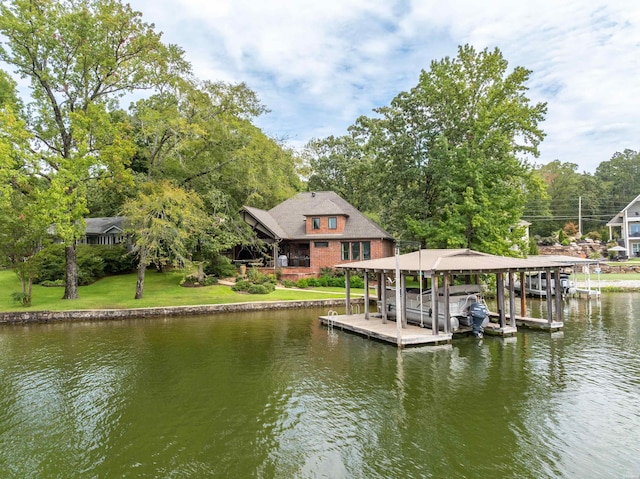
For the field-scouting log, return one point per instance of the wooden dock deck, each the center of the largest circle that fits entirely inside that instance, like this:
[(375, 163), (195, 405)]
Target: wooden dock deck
[(531, 323), (374, 328), (414, 335)]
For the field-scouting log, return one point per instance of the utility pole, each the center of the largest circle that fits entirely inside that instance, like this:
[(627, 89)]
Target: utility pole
[(580, 216)]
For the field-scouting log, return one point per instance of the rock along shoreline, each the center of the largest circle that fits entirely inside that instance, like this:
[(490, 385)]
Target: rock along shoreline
[(23, 317)]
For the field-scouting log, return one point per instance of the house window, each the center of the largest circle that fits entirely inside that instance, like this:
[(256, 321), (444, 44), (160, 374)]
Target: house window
[(366, 250), (321, 244), (315, 223), (634, 229), (333, 222), (355, 251), (345, 251)]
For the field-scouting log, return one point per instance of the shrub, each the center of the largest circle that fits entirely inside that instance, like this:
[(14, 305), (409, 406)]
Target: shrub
[(210, 280), (242, 285), (287, 283), (356, 282), (93, 262), (303, 283), (191, 281), (313, 282), (265, 288), (50, 284), (116, 259), (221, 266)]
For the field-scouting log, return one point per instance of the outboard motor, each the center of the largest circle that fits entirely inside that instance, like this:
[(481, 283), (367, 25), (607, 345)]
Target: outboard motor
[(478, 313)]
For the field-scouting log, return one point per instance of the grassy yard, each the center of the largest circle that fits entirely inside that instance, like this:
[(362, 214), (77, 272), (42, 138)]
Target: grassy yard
[(161, 289)]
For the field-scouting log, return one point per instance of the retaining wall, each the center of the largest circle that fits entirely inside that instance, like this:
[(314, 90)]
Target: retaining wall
[(104, 314)]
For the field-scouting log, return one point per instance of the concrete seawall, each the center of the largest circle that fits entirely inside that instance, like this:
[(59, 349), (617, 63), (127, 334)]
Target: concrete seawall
[(158, 312)]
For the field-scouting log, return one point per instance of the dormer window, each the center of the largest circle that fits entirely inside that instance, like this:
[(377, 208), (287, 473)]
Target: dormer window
[(315, 223), (333, 222)]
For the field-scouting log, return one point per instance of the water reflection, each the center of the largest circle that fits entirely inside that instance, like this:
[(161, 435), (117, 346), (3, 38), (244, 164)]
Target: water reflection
[(274, 394)]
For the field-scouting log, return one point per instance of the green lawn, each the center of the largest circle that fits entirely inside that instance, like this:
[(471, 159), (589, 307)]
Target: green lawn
[(161, 289)]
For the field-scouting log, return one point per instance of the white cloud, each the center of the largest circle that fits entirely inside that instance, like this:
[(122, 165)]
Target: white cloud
[(319, 65)]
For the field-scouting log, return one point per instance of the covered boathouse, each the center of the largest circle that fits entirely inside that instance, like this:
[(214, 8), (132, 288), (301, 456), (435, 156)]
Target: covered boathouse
[(440, 268)]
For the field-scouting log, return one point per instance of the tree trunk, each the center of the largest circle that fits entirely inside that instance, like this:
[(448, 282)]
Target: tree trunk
[(142, 267), (71, 273)]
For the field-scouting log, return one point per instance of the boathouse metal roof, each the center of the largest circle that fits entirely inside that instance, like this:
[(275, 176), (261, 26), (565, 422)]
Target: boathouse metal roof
[(459, 261)]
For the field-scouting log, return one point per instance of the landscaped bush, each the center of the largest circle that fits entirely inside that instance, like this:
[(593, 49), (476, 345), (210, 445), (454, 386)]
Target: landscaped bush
[(191, 281), (242, 285), (287, 283), (303, 283), (93, 263), (265, 288), (221, 266), (116, 259)]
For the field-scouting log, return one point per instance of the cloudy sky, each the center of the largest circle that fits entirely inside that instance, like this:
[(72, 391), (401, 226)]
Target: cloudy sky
[(318, 65)]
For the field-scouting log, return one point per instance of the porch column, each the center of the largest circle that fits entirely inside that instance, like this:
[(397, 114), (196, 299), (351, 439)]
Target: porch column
[(434, 304), (382, 287), (366, 294), (347, 288), (512, 300)]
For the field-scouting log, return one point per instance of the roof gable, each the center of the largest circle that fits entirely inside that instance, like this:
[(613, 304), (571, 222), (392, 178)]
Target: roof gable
[(291, 214)]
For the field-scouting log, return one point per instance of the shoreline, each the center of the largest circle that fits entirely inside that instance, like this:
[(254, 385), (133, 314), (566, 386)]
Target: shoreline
[(27, 317)]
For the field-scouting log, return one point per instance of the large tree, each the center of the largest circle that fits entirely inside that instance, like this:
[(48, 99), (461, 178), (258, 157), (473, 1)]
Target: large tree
[(451, 155), (81, 56), (165, 222)]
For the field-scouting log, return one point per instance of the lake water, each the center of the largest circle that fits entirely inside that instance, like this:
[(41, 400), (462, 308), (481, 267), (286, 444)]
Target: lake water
[(275, 395)]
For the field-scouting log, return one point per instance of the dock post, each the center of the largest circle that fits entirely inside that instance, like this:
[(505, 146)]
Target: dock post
[(383, 290), (447, 310), (556, 275), (435, 313), (500, 299), (512, 300), (347, 287), (366, 294), (549, 296), (523, 295)]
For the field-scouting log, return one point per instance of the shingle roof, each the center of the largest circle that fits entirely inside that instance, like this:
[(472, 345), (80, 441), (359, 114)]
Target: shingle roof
[(100, 226), (267, 221), (290, 216)]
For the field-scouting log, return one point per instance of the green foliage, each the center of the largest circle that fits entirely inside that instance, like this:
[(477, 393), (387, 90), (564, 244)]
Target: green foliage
[(94, 262), (220, 266), (192, 281), (21, 298), (52, 284), (287, 283), (594, 235), (533, 247), (303, 283), (265, 288), (242, 285)]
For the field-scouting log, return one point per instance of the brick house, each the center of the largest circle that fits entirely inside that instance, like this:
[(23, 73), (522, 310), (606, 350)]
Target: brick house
[(314, 230)]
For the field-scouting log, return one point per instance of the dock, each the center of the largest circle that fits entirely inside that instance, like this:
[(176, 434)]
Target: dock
[(412, 335), (374, 328)]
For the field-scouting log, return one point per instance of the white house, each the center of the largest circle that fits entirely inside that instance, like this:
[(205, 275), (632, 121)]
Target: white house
[(628, 220)]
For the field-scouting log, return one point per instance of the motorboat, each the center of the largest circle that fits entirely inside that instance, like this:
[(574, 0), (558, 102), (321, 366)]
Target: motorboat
[(466, 308), (536, 285)]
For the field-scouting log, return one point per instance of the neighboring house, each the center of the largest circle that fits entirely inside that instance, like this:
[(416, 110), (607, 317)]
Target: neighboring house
[(104, 231), (628, 220), (315, 230)]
